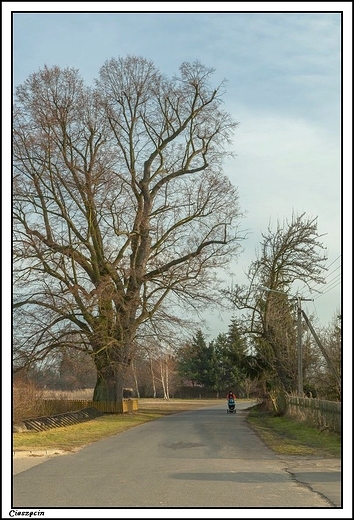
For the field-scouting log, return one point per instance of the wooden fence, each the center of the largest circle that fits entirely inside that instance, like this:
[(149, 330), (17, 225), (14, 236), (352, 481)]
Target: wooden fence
[(325, 414), (54, 406), (40, 424)]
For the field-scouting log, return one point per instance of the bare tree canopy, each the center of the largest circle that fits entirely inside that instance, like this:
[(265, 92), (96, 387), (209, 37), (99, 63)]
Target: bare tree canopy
[(122, 212), (292, 252)]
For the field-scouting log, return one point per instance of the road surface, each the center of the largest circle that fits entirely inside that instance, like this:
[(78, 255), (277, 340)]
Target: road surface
[(203, 458)]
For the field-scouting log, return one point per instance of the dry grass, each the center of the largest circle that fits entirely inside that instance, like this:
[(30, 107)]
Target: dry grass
[(28, 400), (177, 405), (87, 394), (84, 394)]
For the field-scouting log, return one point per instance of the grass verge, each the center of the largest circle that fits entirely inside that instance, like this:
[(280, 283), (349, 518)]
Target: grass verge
[(71, 438), (286, 436)]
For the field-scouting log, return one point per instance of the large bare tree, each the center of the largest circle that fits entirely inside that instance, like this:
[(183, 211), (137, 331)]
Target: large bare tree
[(122, 213), (291, 252)]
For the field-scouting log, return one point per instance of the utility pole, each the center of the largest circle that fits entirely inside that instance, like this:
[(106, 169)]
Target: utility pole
[(323, 350), (300, 376)]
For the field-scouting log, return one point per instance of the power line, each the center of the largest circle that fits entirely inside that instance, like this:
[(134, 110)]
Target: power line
[(308, 290), (334, 270), (329, 289), (334, 261), (332, 281)]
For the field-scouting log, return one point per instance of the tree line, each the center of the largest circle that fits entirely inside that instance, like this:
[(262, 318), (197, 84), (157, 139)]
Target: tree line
[(200, 368)]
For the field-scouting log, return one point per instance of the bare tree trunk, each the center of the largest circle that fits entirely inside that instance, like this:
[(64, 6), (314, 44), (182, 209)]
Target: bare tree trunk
[(165, 395), (111, 364), (167, 378), (107, 386), (153, 378), (135, 380)]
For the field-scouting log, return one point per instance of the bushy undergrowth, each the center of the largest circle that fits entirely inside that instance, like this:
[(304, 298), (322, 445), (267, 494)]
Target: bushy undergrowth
[(28, 400)]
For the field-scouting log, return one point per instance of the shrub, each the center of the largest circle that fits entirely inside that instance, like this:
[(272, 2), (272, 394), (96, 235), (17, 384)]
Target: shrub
[(27, 399)]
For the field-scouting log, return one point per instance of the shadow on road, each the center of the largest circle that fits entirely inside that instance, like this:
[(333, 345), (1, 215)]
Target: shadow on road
[(249, 477)]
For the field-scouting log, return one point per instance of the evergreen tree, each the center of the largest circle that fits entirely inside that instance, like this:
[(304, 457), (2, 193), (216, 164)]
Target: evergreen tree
[(230, 352), (195, 361)]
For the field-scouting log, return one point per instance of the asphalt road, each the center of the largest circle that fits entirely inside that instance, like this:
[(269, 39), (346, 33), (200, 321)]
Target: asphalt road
[(198, 459)]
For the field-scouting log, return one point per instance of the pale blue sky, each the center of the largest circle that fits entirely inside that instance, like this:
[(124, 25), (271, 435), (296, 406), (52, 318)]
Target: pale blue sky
[(283, 62), (284, 87)]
